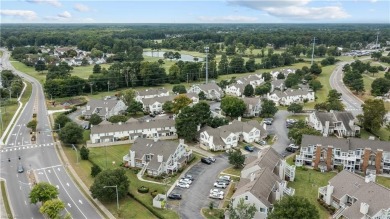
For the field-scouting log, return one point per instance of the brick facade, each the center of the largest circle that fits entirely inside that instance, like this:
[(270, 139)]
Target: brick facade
[(318, 156), (329, 163), (366, 159), (378, 160)]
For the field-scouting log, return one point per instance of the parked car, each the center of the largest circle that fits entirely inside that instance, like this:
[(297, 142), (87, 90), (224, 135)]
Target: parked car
[(292, 148), (185, 180), (174, 196), (190, 177), (205, 160), (227, 182), (212, 159), (217, 191), (216, 196), (20, 168), (183, 185), (225, 177), (220, 185), (261, 142), (248, 148), (268, 121)]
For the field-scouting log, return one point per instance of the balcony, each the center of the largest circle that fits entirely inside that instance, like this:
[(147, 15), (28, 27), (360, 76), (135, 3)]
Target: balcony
[(289, 191), (322, 190)]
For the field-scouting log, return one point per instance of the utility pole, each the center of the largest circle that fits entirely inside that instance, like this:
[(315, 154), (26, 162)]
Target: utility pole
[(91, 84), (312, 52), (376, 43), (187, 78), (108, 86), (207, 64)]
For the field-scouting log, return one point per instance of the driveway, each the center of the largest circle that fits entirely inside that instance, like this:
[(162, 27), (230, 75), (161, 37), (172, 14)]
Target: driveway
[(279, 129), (75, 118), (196, 197)]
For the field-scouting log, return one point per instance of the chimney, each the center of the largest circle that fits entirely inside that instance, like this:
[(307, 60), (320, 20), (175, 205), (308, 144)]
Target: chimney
[(364, 208), (252, 177), (239, 118), (132, 158), (159, 158), (329, 192)]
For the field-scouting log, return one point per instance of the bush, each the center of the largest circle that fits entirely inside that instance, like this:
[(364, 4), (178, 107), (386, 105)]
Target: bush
[(154, 193), (143, 189)]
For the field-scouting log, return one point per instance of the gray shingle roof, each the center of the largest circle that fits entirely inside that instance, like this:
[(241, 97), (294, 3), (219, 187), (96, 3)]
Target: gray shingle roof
[(344, 117), (251, 101), (345, 144), (162, 100), (325, 116), (278, 82), (152, 92), (103, 104), (375, 195), (132, 125), (269, 158), (143, 146)]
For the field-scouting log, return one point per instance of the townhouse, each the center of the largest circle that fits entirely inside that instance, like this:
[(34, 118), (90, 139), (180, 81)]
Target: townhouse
[(157, 157), (353, 154), (277, 84), (237, 89), (253, 106), (285, 72), (228, 136), (150, 93), (106, 108), (356, 197), (211, 90), (285, 98), (154, 104), (158, 127), (264, 181), (340, 123)]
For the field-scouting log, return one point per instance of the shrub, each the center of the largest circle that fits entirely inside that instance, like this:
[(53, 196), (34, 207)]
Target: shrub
[(143, 189)]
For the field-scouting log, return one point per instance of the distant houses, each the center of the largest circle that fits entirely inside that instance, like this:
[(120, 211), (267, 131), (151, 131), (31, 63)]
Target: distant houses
[(211, 90), (105, 108), (285, 98)]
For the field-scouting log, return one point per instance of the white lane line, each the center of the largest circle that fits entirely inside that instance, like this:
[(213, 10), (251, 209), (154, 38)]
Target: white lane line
[(44, 171), (44, 168), (80, 201), (69, 195)]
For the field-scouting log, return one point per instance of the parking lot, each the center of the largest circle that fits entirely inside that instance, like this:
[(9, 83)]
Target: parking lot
[(197, 195)]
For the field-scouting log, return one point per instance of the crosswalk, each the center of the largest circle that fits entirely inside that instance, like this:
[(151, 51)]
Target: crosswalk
[(24, 147)]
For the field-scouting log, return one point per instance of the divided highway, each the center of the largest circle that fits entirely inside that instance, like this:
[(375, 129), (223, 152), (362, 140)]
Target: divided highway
[(40, 157)]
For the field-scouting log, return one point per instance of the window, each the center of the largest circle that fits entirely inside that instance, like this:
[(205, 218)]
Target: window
[(262, 210), (246, 197), (228, 139), (257, 132), (234, 138)]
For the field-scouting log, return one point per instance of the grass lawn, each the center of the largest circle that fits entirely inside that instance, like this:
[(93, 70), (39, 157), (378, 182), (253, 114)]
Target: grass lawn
[(232, 171), (298, 117), (1, 53), (306, 184), (5, 200), (114, 159), (85, 71), (383, 133), (384, 181), (228, 195), (212, 214)]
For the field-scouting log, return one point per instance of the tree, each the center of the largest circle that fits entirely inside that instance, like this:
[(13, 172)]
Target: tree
[(376, 55), (248, 90), (202, 96), (179, 89), (43, 192), (292, 80), (373, 114), (72, 133), (40, 66), (357, 85), (32, 125), (217, 122), (250, 65), (127, 96), (295, 108), (96, 69), (263, 89), (168, 106), (242, 210), (237, 64), (236, 158), (267, 76), (233, 106), (117, 118), (186, 124), (373, 70), (84, 153), (202, 112), (179, 102), (280, 76), (380, 86), (315, 69), (95, 119), (134, 107), (315, 85), (268, 108), (300, 129), (52, 208), (291, 207), (60, 121), (110, 177), (223, 65), (95, 170)]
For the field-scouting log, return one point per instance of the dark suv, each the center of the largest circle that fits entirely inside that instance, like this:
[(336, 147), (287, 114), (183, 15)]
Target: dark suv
[(205, 160), (174, 196)]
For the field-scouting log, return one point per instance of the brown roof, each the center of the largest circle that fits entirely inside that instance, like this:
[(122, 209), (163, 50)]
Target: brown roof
[(132, 125), (375, 195), (345, 144)]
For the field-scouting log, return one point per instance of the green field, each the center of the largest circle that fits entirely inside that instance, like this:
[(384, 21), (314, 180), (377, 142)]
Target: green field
[(114, 159)]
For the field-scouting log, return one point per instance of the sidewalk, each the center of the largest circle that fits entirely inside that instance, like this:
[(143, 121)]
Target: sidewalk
[(3, 212)]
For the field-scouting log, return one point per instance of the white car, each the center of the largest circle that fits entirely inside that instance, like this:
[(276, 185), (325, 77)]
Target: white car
[(183, 185), (185, 180), (220, 185), (224, 177), (216, 196), (217, 191)]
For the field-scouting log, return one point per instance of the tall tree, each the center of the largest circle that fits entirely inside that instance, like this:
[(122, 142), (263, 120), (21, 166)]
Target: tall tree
[(40, 66), (134, 107), (202, 95), (380, 86), (179, 89), (248, 90), (110, 177), (373, 114), (315, 68), (263, 89), (186, 124), (295, 108), (72, 133), (180, 102), (268, 108), (236, 158), (96, 69), (43, 192), (52, 208), (95, 119), (358, 86), (242, 210), (202, 112), (292, 207), (233, 106), (315, 85), (223, 65), (127, 96), (60, 121)]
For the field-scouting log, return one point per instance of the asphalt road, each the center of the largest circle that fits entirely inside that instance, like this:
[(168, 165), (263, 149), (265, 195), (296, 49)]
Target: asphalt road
[(279, 129), (40, 157), (196, 197), (351, 102)]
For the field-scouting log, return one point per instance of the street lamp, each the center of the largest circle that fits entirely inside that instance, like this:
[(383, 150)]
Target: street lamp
[(117, 197), (77, 156), (206, 49)]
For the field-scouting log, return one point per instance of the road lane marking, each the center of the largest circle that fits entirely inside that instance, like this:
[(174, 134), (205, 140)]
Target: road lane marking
[(80, 201), (67, 184), (69, 205)]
